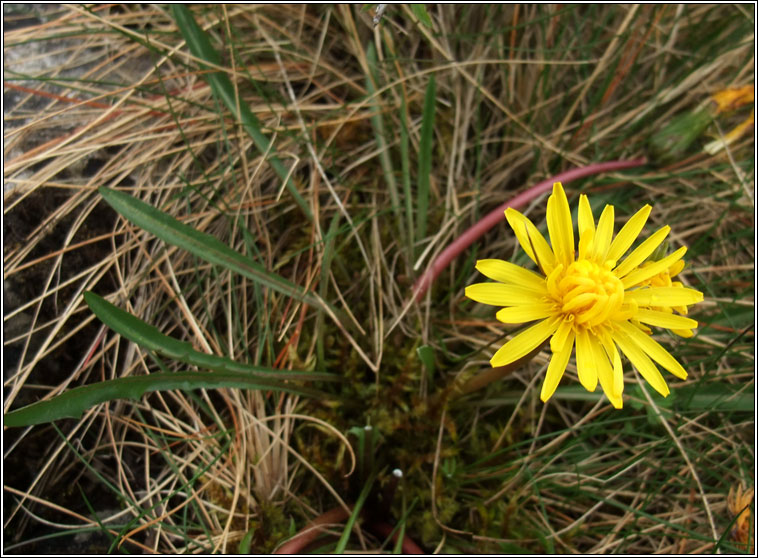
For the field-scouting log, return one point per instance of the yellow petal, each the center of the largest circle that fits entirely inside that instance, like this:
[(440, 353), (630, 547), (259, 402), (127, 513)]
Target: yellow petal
[(639, 275), (586, 220), (733, 135), (626, 312), (642, 327), (603, 235), (565, 328), (557, 367), (654, 350), (560, 226), (605, 373), (518, 223), (507, 272), (664, 319), (628, 234), (529, 236), (686, 333), (585, 243), (615, 358), (676, 269), (733, 97), (664, 296), (524, 342), (527, 313), (641, 362), (586, 366), (641, 253), (500, 294)]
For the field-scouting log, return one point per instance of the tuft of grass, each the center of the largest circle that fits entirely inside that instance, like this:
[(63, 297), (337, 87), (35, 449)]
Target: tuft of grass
[(332, 161)]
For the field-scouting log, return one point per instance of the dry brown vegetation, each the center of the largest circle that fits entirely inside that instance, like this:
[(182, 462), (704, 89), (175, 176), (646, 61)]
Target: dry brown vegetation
[(109, 96)]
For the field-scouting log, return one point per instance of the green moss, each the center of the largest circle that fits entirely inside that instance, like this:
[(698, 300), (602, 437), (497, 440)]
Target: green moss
[(270, 528)]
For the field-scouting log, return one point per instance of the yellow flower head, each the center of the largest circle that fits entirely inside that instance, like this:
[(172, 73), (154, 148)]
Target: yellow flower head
[(738, 501), (593, 299)]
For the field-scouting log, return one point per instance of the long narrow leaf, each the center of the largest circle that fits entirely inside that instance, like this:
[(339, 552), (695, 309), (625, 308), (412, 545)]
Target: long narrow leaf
[(380, 133), (342, 542), (221, 86), (425, 157), (72, 403), (405, 161), (323, 287), (149, 337), (419, 10), (200, 244)]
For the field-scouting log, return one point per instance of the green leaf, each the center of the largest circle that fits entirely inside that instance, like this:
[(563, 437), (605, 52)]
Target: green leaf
[(405, 162), (425, 157), (200, 244), (368, 440), (342, 542), (226, 373), (672, 142), (380, 133), (244, 546), (72, 403), (426, 356), (326, 266), (221, 86), (714, 396), (419, 10), (149, 337)]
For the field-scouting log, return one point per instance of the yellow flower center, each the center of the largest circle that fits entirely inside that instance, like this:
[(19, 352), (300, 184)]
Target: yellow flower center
[(588, 291)]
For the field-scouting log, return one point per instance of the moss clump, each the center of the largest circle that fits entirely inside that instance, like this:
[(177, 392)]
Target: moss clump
[(268, 529)]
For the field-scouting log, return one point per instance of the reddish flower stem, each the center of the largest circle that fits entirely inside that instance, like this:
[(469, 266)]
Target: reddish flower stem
[(306, 536), (498, 214)]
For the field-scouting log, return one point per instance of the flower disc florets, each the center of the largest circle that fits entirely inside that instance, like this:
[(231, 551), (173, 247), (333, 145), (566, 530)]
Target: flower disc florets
[(586, 290)]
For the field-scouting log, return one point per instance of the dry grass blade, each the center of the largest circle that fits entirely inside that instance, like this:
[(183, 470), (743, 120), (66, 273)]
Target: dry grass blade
[(111, 96)]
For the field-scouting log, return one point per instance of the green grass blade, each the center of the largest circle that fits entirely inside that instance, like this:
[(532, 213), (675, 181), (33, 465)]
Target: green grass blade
[(152, 510), (716, 397), (342, 543), (201, 47), (425, 157), (323, 287), (72, 403), (426, 356), (405, 161), (380, 133), (200, 244), (197, 40), (149, 337), (419, 10)]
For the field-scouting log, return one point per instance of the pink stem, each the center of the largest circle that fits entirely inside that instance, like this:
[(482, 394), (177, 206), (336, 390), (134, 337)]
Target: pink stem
[(306, 536), (498, 214), (298, 543)]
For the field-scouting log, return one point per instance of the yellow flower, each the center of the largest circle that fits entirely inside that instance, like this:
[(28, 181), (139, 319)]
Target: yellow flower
[(737, 132), (728, 100), (733, 97), (593, 299), (738, 502), (663, 279)]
